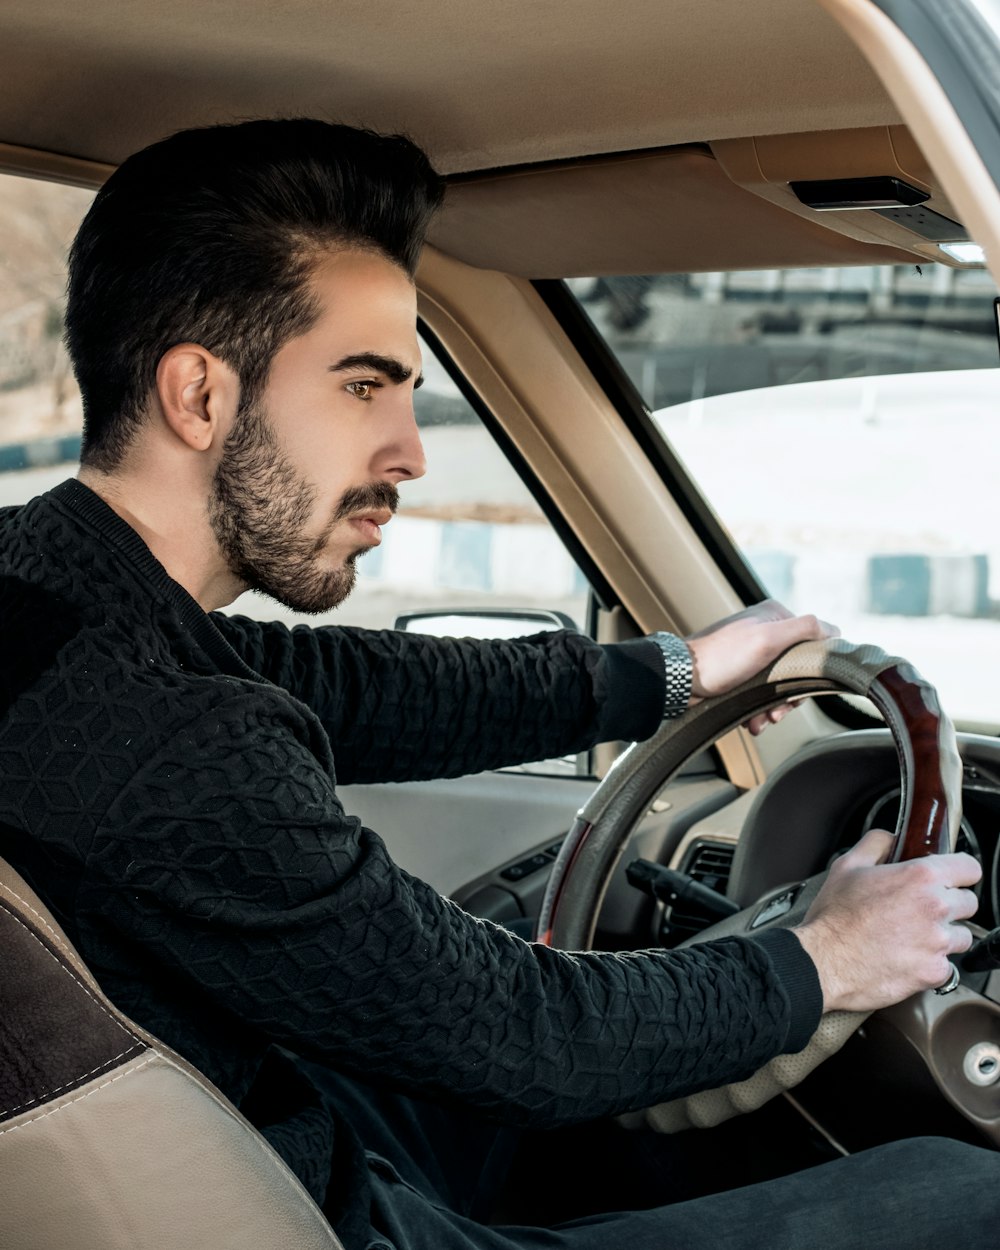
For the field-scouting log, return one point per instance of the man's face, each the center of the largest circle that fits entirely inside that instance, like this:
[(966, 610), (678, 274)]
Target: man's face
[(308, 474)]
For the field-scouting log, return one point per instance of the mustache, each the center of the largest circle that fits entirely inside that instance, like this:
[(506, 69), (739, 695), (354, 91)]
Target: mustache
[(372, 497)]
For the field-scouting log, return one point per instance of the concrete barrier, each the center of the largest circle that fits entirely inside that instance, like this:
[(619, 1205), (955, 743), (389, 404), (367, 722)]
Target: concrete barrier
[(509, 561), (913, 584), (910, 584), (40, 453), (526, 561)]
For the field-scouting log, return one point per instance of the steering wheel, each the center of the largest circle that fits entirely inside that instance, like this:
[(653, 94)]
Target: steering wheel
[(929, 817)]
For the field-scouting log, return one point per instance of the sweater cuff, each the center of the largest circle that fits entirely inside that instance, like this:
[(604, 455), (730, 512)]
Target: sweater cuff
[(797, 975), (632, 709)]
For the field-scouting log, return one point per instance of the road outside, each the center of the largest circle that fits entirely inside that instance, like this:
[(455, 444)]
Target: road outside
[(816, 480)]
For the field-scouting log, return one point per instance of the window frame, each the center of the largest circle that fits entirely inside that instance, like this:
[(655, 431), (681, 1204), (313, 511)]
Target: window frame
[(628, 403)]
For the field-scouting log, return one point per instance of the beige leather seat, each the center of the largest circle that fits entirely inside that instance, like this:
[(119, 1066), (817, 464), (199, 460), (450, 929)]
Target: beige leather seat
[(108, 1139)]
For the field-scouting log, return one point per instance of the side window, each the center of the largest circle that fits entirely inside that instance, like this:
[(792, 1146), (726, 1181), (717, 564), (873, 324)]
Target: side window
[(468, 536), (40, 411)]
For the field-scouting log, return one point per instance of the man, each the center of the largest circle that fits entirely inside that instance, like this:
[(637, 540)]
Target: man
[(241, 319)]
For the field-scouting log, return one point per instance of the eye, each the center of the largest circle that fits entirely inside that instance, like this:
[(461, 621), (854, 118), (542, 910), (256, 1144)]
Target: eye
[(365, 391)]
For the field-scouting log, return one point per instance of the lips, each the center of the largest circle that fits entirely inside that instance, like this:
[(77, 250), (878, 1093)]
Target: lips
[(370, 524)]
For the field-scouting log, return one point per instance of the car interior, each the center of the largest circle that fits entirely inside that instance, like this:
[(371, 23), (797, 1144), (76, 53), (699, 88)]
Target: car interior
[(651, 213)]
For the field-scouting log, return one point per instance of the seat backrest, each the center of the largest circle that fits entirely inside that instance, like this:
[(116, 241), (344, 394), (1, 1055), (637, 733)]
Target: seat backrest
[(108, 1139)]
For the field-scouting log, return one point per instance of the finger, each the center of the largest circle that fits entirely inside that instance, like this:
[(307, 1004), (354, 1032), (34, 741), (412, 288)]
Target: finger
[(799, 629), (964, 904), (873, 849), (958, 869), (768, 610), (959, 939), (786, 633), (943, 968), (757, 724), (771, 610)]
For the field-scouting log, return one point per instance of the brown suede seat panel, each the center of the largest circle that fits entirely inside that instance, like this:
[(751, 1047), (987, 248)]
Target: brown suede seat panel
[(55, 1033)]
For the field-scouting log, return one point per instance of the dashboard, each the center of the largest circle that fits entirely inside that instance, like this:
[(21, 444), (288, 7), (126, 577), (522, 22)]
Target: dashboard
[(813, 808), (930, 1063), (824, 798)]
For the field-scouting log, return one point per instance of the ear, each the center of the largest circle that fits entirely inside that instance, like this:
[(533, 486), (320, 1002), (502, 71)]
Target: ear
[(198, 395)]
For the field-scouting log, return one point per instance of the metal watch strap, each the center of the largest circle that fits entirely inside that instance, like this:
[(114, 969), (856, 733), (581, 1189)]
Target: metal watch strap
[(678, 670)]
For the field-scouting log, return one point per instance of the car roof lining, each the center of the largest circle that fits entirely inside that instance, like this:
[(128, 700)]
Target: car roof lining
[(575, 142), (530, 83)]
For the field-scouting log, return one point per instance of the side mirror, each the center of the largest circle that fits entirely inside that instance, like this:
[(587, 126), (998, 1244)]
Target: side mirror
[(483, 623)]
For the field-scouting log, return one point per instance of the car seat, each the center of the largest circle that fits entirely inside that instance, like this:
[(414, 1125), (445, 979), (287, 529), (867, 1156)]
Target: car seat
[(109, 1140)]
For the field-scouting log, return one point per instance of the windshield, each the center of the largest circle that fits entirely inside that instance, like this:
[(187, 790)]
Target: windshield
[(844, 425)]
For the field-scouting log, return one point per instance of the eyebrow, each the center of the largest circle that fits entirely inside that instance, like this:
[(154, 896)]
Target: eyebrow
[(393, 369)]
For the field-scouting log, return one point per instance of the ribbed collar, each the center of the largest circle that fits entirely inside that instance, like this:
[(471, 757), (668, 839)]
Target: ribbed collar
[(89, 508)]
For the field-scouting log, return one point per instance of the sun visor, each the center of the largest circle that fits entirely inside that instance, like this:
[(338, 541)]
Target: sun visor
[(872, 185), (672, 210)]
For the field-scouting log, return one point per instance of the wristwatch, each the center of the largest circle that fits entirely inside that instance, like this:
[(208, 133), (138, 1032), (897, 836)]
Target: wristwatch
[(678, 669)]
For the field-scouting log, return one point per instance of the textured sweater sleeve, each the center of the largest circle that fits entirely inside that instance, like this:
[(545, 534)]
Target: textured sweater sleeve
[(403, 706), (231, 863)]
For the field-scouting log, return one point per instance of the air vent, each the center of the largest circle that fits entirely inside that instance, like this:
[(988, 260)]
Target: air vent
[(710, 863)]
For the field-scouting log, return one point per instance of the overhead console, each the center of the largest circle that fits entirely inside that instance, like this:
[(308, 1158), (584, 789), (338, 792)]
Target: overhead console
[(872, 185)]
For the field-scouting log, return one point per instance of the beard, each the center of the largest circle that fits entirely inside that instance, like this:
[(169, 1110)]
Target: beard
[(259, 509)]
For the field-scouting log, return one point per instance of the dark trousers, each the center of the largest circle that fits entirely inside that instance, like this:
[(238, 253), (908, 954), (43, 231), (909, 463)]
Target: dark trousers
[(436, 1175)]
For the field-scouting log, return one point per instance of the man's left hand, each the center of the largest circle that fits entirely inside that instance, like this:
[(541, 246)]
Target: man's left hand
[(731, 651)]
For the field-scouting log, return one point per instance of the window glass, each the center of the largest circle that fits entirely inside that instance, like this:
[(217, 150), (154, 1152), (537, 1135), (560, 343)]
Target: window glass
[(40, 413), (843, 424)]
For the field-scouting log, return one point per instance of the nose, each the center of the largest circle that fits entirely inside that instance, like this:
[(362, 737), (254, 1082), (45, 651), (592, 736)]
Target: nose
[(402, 458)]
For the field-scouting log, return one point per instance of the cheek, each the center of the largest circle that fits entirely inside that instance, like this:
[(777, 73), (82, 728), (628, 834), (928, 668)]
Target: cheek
[(310, 431), (329, 457)]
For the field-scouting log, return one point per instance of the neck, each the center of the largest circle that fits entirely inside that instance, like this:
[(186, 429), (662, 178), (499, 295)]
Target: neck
[(171, 517)]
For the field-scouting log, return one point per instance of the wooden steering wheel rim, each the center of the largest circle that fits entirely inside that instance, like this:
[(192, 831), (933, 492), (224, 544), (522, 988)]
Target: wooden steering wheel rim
[(930, 771)]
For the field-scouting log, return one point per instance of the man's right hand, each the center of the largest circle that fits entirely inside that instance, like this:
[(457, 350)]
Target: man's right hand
[(880, 932)]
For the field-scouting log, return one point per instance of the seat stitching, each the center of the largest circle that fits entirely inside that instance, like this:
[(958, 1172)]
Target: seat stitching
[(90, 1093), (57, 937), (82, 1077), (70, 973), (96, 1001), (265, 1148)]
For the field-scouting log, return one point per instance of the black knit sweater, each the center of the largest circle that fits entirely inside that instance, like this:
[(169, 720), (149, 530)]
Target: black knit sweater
[(169, 788)]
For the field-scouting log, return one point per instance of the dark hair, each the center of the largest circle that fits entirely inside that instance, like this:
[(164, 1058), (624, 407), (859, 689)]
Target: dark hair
[(209, 237)]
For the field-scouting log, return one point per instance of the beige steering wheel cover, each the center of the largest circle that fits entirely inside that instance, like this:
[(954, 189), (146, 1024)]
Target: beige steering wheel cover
[(712, 1106)]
